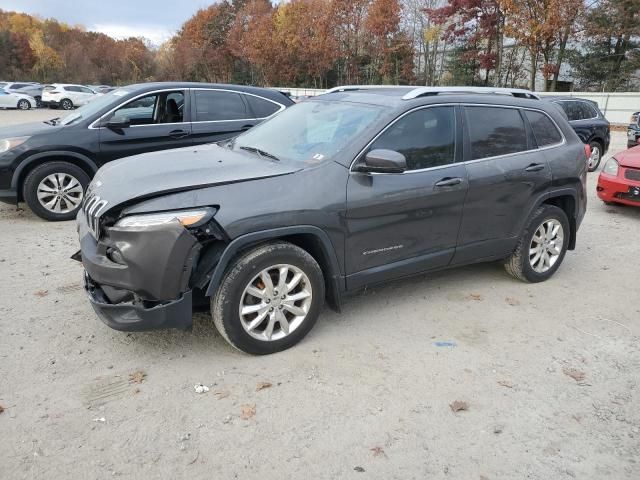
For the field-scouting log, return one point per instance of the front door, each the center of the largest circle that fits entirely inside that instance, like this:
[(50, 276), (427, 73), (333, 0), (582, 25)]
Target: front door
[(158, 121), (400, 224)]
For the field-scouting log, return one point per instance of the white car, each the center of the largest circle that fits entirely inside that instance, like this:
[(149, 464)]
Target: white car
[(16, 100), (67, 96)]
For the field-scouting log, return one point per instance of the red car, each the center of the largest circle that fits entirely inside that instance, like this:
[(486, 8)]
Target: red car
[(619, 181)]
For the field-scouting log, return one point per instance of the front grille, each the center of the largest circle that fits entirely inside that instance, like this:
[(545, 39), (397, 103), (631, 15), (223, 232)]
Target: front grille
[(91, 209), (632, 174)]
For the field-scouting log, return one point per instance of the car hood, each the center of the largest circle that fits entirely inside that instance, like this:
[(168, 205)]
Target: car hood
[(26, 130), (152, 174), (629, 158)]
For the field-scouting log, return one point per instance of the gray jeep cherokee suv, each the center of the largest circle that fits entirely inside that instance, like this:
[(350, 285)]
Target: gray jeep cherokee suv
[(348, 189)]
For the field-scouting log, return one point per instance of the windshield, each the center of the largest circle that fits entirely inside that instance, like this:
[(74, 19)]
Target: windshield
[(94, 106), (309, 131)]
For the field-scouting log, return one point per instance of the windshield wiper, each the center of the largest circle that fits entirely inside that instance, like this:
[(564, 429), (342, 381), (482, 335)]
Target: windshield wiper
[(53, 121), (261, 153)]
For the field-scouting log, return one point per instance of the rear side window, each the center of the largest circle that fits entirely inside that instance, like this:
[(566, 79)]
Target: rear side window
[(216, 105), (587, 110), (495, 131), (425, 137), (261, 108), (71, 89), (544, 129)]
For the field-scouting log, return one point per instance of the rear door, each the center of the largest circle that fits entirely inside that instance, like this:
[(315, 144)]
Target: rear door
[(219, 115), (507, 177), (159, 120)]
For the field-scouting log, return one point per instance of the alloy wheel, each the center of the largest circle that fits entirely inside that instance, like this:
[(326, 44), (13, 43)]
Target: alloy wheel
[(67, 105), (60, 193), (275, 302), (23, 105), (594, 159), (546, 245)]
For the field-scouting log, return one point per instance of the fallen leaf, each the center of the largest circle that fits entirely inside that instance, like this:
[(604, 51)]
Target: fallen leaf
[(247, 411), (222, 394), (482, 477), (358, 469), (505, 383), (574, 373), (378, 452), (459, 405), (514, 302), (1, 409), (263, 385), (137, 390), (475, 296), (137, 377), (41, 293)]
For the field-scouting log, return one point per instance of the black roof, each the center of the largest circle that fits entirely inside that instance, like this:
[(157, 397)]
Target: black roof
[(269, 93)]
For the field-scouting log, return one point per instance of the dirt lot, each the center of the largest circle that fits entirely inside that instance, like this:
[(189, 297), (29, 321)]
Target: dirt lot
[(550, 373)]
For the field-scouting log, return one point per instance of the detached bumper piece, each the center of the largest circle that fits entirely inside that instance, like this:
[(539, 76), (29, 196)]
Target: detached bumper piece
[(133, 317)]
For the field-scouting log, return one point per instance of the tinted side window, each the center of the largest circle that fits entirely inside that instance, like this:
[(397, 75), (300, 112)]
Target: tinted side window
[(86, 90), (495, 131), (587, 110), (544, 130), (425, 137), (261, 108), (218, 105), (71, 89), (164, 107)]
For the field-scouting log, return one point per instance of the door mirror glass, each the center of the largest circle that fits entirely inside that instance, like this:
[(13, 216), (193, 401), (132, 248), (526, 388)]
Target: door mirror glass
[(383, 161), (118, 122)]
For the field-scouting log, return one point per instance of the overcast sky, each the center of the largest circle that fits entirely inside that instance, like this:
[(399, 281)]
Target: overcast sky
[(156, 20)]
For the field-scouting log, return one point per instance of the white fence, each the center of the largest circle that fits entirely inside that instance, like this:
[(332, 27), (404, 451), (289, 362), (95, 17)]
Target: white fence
[(617, 107)]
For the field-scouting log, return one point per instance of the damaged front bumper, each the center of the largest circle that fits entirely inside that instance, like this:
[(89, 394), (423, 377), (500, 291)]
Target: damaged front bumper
[(138, 278)]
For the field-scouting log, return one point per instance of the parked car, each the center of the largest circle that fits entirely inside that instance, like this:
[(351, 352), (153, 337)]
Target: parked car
[(589, 123), (30, 89), (619, 180), (101, 88), (16, 100), (49, 164), (341, 191), (66, 96), (633, 131)]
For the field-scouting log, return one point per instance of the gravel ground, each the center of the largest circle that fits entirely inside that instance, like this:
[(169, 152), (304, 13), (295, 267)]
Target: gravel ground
[(549, 374)]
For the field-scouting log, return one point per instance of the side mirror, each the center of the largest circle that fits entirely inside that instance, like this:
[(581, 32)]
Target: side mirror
[(118, 122), (383, 161)]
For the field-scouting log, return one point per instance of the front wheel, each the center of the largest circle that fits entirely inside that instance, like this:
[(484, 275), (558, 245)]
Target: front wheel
[(542, 246), (66, 104), (596, 156), (269, 299), (24, 105), (54, 190)]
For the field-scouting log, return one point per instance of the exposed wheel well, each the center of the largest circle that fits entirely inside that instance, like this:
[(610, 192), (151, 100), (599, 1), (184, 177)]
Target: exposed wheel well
[(54, 158), (568, 204)]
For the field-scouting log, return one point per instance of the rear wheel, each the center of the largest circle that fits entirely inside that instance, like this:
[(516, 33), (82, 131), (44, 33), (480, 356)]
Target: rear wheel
[(596, 155), (66, 104), (542, 246), (54, 191), (269, 299), (24, 104)]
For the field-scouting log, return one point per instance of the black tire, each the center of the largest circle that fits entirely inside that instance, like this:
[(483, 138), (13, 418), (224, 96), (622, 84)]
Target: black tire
[(518, 264), (23, 104), (30, 188), (225, 303), (66, 104), (38, 102), (596, 145)]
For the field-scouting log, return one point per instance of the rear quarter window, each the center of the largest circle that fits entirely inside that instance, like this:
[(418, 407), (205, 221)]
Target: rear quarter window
[(544, 130), (495, 131), (261, 107)]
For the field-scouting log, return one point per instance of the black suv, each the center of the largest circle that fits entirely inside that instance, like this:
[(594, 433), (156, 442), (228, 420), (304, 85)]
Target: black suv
[(589, 123), (50, 164), (341, 191)]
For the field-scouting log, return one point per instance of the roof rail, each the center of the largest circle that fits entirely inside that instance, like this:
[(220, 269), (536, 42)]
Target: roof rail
[(425, 91), (351, 88)]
